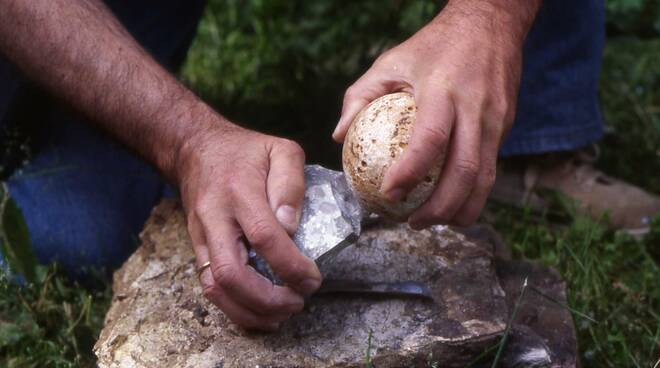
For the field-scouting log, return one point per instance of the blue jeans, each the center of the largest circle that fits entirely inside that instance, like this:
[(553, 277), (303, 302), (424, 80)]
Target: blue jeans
[(558, 106), (85, 198)]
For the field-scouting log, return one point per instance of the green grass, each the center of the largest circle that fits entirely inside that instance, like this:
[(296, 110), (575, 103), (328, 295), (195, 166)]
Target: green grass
[(613, 278), (46, 320), (610, 277), (51, 322)]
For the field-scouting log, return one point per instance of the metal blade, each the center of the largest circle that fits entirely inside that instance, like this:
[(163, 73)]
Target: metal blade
[(396, 289)]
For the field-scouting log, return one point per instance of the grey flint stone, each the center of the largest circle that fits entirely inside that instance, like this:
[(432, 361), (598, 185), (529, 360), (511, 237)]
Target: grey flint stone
[(331, 220), (159, 316)]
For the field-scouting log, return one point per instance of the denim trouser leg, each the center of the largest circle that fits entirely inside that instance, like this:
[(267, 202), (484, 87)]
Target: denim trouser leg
[(85, 197), (558, 106)]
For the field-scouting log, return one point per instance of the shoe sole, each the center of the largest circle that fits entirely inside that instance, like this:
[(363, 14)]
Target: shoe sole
[(638, 233)]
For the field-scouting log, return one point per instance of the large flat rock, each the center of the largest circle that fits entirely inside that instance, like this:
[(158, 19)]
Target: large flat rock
[(159, 316)]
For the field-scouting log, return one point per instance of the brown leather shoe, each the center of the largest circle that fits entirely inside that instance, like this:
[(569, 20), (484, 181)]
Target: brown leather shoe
[(522, 181)]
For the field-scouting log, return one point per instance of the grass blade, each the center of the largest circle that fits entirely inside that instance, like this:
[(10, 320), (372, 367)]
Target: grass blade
[(507, 330), (367, 355), (563, 305)]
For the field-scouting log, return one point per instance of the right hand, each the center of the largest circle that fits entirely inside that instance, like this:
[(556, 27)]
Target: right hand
[(238, 184)]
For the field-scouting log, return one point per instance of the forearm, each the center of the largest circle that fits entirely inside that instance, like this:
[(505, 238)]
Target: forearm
[(79, 51)]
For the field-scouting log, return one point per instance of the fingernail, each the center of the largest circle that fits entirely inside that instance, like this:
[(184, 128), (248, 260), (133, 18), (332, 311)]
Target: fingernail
[(286, 215), (309, 286), (395, 194)]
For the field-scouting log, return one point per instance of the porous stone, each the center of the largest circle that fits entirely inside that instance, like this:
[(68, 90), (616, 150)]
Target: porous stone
[(377, 137)]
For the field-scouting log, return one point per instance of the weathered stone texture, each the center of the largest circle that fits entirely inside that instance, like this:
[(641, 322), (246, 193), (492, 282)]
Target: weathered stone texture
[(160, 318)]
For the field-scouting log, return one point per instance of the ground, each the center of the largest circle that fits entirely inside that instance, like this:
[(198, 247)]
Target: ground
[(611, 277)]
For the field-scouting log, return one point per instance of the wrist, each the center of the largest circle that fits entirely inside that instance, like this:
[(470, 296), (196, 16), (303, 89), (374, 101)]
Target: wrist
[(203, 126), (506, 19)]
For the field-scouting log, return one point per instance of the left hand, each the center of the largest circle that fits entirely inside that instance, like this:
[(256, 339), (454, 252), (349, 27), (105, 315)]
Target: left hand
[(464, 71)]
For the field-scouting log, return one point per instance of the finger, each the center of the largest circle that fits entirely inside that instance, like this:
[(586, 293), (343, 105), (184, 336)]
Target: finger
[(272, 242), (228, 257), (428, 143), (237, 313), (470, 211), (370, 86), (458, 175), (286, 184)]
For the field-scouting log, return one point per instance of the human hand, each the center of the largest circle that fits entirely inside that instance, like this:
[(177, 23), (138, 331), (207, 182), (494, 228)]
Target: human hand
[(463, 70), (238, 184)]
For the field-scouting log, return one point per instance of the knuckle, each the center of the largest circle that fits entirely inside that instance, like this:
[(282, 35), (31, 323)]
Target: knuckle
[(434, 135), (467, 171), (260, 234), (234, 184), (412, 173), (495, 130), (269, 304), (210, 292), (225, 275), (292, 149), (293, 271), (203, 206), (490, 176), (501, 109), (391, 57), (351, 93), (385, 58), (478, 96), (437, 84)]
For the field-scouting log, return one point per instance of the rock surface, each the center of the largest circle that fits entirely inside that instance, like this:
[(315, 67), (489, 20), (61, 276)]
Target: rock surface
[(540, 324), (159, 316)]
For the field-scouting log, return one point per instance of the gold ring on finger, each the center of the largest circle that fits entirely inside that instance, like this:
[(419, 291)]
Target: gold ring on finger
[(203, 267)]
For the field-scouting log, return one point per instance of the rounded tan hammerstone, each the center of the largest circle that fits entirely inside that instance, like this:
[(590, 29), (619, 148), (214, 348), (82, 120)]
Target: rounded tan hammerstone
[(376, 138)]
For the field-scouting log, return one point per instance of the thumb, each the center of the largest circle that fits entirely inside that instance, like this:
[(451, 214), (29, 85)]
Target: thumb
[(286, 183)]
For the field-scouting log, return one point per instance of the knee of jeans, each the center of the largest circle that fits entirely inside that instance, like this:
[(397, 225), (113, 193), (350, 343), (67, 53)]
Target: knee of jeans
[(84, 227)]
